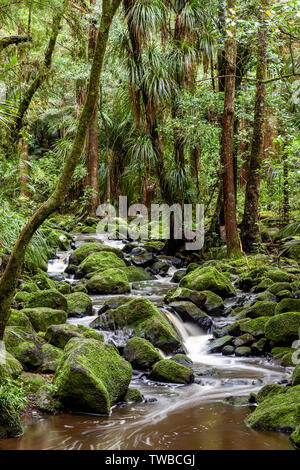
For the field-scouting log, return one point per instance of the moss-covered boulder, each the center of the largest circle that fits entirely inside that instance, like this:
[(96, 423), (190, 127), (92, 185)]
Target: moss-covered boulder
[(244, 340), (59, 335), (41, 318), (25, 346), (283, 328), (63, 287), (46, 399), (155, 246), (80, 287), (218, 344), (288, 305), (190, 312), (261, 309), (86, 249), (18, 318), (97, 262), (171, 372), (43, 281), (133, 395), (213, 304), (92, 376), (114, 302), (141, 318), (135, 274), (296, 373), (141, 353), (209, 278), (179, 294), (109, 281), (10, 424), (28, 287), (31, 382), (295, 438), (279, 411), (182, 359), (251, 277), (279, 286), (51, 358), (256, 326), (266, 296), (79, 304), (278, 275), (9, 366), (243, 351), (49, 298)]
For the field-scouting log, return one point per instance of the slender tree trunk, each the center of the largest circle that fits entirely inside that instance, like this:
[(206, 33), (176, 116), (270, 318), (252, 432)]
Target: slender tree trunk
[(24, 168), (9, 279), (250, 234), (232, 236)]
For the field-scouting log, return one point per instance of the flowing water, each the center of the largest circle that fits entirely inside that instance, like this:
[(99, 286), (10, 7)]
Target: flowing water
[(171, 417)]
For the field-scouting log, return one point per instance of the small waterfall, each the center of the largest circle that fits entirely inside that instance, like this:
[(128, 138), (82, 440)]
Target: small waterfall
[(58, 265)]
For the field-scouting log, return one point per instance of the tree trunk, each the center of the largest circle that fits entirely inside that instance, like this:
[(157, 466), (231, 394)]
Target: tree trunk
[(24, 168), (232, 236), (250, 233), (7, 41), (9, 279)]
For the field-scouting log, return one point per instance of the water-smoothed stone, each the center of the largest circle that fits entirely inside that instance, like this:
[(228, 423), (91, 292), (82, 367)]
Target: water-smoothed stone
[(92, 376), (133, 395), (49, 298), (228, 350), (243, 340), (178, 294), (79, 304), (278, 410), (142, 258), (109, 281), (9, 366), (217, 345), (140, 317), (25, 346), (261, 309), (171, 372), (160, 268), (141, 353), (63, 287), (41, 318), (209, 278), (260, 346), (287, 305), (113, 303), (178, 275), (256, 326), (243, 351), (189, 311), (213, 304), (59, 335), (86, 249), (97, 262), (46, 399), (182, 359), (283, 328), (51, 358)]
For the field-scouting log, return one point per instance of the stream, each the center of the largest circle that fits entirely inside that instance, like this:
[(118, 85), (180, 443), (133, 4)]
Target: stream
[(172, 416)]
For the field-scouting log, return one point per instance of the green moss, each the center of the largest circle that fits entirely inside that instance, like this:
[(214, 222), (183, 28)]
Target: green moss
[(59, 335), (50, 298), (133, 395), (178, 294), (43, 281), (18, 318), (109, 281), (278, 412), (295, 438), (42, 318), (63, 287), (182, 359), (269, 391), (266, 296), (210, 279), (255, 327), (24, 345), (86, 249), (135, 274), (51, 358), (79, 304), (283, 327), (29, 287), (288, 305), (97, 262), (170, 371), (9, 366), (261, 309), (141, 353), (31, 382), (279, 286), (21, 298), (92, 376), (46, 399)]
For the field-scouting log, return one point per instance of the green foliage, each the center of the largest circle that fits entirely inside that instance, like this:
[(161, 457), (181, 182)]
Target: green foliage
[(12, 396)]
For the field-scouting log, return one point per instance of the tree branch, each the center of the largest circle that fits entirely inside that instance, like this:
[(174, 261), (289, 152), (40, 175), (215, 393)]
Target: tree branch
[(7, 41)]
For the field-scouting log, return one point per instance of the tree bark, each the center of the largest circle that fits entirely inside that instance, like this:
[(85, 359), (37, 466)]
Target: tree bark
[(24, 168), (250, 234), (7, 41), (9, 279), (232, 236)]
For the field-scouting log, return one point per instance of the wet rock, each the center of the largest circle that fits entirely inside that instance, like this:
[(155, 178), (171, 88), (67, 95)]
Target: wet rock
[(86, 249), (92, 376), (228, 350), (51, 357), (259, 346), (142, 258), (41, 318), (256, 326), (141, 353), (9, 366), (46, 399), (171, 372), (287, 305), (243, 340), (43, 281), (190, 312), (133, 395), (283, 327), (178, 275), (49, 298), (279, 286), (113, 303), (25, 346), (79, 288), (109, 281), (182, 359), (295, 438), (97, 262), (261, 309), (178, 294), (155, 246), (266, 296), (213, 304), (210, 279), (243, 351), (135, 274), (59, 335), (159, 268), (217, 345), (63, 287), (79, 305)]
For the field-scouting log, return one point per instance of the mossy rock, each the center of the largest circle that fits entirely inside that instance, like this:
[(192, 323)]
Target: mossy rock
[(213, 304), (29, 287), (79, 304), (191, 267), (218, 344), (25, 346), (182, 359), (31, 382), (51, 358), (63, 287), (49, 298), (280, 351), (18, 318), (288, 305), (143, 319), (295, 438), (243, 340), (114, 302), (21, 298), (59, 335), (266, 296), (279, 286), (256, 326), (260, 346), (79, 288), (228, 350), (92, 376), (261, 309), (86, 249), (43, 281), (171, 372), (10, 424), (141, 353), (109, 281), (155, 246), (284, 294), (135, 274), (97, 262), (133, 395), (46, 399), (278, 275), (252, 277), (269, 391), (41, 318), (190, 312), (296, 374), (178, 294), (263, 285), (283, 328), (9, 366), (243, 351), (278, 412), (209, 278)]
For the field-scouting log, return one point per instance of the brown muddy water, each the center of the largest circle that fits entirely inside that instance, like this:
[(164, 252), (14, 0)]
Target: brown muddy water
[(172, 417)]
